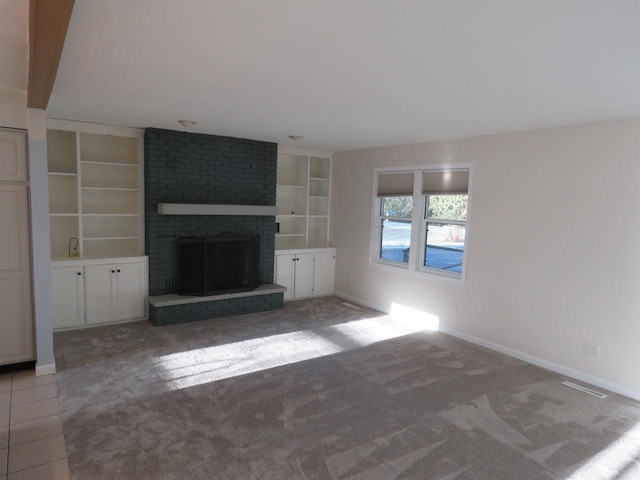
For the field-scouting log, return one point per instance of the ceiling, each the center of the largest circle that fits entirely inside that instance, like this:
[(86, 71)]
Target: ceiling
[(349, 74)]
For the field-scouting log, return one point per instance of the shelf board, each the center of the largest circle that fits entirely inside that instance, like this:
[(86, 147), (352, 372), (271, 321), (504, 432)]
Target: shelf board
[(111, 214), (286, 185), (290, 234), (119, 189), (290, 216), (64, 214), (326, 179), (110, 238), (63, 174), (318, 216), (318, 196), (116, 164)]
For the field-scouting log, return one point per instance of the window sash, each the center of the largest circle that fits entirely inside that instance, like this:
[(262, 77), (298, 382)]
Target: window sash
[(402, 250), (427, 208), (382, 205), (446, 253), (442, 221)]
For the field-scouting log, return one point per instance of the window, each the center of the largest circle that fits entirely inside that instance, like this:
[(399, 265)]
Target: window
[(395, 228), (421, 220)]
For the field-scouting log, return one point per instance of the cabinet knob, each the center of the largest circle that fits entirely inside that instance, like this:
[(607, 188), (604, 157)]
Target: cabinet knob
[(79, 273), (113, 271), (118, 270)]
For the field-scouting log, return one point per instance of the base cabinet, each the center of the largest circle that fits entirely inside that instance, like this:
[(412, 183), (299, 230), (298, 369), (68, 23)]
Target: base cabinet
[(306, 273), (99, 292)]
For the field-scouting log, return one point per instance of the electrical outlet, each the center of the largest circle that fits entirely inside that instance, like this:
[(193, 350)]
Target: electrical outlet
[(454, 308), (591, 348)]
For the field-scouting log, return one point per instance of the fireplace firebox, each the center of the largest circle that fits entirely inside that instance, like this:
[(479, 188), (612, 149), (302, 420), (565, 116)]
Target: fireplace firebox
[(216, 265)]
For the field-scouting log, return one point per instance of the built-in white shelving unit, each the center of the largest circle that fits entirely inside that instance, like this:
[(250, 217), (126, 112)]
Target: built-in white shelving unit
[(303, 192), (95, 189)]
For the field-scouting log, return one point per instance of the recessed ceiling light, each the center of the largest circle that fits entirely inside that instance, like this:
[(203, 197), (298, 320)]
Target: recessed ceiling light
[(296, 138), (187, 123)]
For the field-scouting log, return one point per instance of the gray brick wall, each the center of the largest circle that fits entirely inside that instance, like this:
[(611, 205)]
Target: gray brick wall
[(185, 167)]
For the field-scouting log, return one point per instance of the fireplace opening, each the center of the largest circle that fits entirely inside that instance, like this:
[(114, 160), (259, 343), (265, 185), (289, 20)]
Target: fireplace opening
[(215, 265)]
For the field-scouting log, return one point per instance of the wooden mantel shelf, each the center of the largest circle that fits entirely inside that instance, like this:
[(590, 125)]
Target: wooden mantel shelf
[(210, 209)]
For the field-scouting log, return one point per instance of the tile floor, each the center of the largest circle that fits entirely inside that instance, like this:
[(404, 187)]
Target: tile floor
[(31, 439)]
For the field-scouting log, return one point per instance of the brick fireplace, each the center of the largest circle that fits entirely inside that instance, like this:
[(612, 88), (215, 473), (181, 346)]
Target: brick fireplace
[(188, 168)]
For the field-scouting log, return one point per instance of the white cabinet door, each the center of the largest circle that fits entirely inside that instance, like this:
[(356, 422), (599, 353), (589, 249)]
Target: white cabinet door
[(16, 324), (99, 289), (67, 284), (130, 293), (324, 273), (303, 284), (13, 158), (285, 268)]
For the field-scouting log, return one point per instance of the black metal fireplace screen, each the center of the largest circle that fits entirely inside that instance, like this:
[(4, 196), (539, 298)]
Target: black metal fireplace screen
[(215, 265)]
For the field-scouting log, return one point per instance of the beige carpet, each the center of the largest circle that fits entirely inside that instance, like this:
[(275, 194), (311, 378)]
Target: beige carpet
[(323, 391)]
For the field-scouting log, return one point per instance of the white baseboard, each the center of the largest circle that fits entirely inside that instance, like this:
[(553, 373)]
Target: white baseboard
[(554, 367), (45, 369), (360, 301), (540, 362)]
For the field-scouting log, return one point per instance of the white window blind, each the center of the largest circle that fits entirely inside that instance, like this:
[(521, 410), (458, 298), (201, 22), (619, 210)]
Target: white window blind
[(395, 184), (443, 182)]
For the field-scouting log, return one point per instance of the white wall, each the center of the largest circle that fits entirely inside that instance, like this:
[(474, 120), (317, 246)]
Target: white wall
[(40, 241), (553, 245), (13, 108)]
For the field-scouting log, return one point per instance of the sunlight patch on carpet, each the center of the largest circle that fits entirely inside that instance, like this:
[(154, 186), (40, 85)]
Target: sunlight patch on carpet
[(209, 364), (619, 461)]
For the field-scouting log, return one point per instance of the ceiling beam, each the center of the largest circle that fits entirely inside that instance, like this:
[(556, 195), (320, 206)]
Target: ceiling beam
[(48, 22)]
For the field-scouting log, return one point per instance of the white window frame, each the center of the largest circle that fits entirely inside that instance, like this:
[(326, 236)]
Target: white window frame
[(419, 221)]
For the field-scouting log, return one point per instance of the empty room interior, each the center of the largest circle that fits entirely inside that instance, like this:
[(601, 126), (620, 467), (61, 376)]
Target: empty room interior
[(342, 240)]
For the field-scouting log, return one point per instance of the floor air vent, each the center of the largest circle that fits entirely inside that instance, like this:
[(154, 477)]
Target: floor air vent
[(580, 388)]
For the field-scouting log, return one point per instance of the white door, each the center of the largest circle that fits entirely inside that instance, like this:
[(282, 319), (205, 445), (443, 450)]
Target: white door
[(100, 292), (303, 285), (67, 285), (130, 297), (13, 158), (285, 266), (324, 274), (16, 320)]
